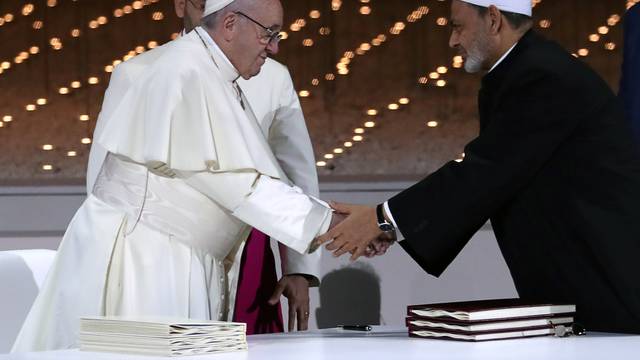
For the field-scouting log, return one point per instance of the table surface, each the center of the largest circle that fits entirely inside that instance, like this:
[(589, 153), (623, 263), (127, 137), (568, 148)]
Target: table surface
[(392, 343)]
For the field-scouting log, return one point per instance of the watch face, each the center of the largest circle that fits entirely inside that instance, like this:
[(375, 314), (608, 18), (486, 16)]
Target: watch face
[(386, 227)]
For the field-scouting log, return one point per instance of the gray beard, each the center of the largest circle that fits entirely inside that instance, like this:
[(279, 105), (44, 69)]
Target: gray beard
[(475, 56), (473, 64)]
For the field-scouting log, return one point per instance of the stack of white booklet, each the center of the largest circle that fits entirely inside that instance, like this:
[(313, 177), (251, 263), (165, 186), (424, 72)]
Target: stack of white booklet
[(164, 337)]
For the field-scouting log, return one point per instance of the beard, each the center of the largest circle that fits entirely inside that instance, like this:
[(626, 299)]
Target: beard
[(477, 54)]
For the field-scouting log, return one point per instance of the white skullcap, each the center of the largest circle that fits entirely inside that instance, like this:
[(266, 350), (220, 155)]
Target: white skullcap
[(212, 6), (515, 6)]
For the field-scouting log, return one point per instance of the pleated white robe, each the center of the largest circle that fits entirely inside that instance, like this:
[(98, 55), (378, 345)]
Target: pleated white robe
[(187, 174)]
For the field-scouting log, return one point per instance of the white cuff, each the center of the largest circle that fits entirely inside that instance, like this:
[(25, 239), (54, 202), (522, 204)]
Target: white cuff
[(387, 212), (307, 264)]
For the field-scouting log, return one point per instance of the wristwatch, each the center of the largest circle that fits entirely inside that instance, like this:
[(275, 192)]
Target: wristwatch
[(383, 224)]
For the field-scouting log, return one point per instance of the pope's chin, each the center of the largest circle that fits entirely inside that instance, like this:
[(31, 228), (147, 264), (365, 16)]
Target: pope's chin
[(255, 70)]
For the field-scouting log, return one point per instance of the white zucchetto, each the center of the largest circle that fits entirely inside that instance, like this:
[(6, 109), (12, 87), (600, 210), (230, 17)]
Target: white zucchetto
[(515, 6), (212, 6)]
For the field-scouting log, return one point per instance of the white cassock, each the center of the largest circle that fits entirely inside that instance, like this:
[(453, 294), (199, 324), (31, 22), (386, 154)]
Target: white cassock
[(188, 172), (273, 100)]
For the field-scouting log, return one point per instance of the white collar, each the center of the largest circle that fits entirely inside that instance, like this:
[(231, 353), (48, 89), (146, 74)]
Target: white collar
[(223, 63), (502, 58)]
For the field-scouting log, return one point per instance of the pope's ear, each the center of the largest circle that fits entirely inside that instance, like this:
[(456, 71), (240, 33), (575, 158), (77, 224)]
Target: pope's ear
[(179, 6), (229, 25)]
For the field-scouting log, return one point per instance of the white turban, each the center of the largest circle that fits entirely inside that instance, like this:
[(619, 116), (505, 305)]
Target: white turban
[(212, 6), (515, 6)]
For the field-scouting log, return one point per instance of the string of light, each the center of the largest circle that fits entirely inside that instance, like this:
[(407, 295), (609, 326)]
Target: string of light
[(298, 24), (435, 78), (56, 42), (22, 56), (348, 57), (602, 31), (25, 10), (373, 113), (599, 35)]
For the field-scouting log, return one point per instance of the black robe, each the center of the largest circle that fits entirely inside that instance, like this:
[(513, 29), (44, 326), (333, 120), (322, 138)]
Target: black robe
[(630, 81), (554, 170)]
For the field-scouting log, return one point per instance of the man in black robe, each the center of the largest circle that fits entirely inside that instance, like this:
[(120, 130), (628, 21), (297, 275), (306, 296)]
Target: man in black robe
[(630, 82), (553, 168)]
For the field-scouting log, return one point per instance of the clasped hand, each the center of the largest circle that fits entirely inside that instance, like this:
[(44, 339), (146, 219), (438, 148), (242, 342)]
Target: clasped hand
[(355, 231)]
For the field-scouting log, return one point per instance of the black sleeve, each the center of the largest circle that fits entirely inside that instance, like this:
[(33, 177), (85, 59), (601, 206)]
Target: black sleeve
[(439, 215)]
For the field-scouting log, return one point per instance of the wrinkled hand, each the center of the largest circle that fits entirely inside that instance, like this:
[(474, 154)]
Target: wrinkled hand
[(380, 245), (296, 289), (355, 233)]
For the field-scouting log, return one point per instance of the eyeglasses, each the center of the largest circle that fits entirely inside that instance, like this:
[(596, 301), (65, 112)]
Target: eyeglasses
[(271, 36)]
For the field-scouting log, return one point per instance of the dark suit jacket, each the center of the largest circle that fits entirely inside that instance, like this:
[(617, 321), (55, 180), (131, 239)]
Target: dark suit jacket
[(630, 82), (554, 170)]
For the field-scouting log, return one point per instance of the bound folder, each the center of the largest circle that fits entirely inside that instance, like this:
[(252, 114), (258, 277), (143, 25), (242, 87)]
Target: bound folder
[(157, 336), (487, 319), (482, 326), (489, 310)]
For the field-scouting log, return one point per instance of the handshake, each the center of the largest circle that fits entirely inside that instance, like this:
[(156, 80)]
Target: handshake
[(354, 229)]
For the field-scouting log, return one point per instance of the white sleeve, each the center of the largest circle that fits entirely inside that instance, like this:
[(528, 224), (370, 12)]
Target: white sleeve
[(278, 210), (291, 145), (306, 264)]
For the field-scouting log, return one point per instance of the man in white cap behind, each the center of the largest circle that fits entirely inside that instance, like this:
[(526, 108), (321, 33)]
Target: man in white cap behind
[(275, 104), (553, 169), (188, 171)]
